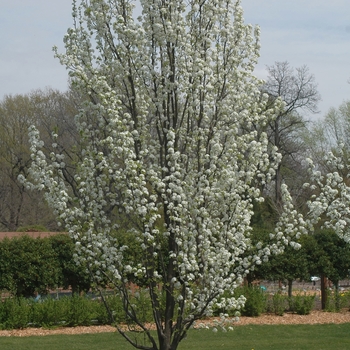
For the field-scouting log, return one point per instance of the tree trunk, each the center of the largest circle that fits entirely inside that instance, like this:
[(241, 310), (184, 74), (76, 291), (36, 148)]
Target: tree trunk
[(290, 288), (336, 295), (324, 283), (278, 177)]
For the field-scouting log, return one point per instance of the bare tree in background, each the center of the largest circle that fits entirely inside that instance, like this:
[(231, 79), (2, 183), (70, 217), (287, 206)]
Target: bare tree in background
[(329, 134), (49, 110), (298, 89)]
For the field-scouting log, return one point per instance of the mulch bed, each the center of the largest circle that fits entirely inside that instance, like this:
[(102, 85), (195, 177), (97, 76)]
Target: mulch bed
[(315, 317)]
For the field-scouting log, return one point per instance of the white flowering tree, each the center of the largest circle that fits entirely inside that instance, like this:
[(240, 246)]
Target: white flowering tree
[(331, 201), (167, 140), (328, 142)]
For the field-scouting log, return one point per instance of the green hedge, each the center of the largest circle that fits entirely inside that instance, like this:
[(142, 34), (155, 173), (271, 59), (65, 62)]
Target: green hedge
[(36, 265)]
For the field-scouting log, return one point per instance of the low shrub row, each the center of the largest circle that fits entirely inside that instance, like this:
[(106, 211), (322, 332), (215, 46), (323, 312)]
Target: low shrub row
[(20, 312), (337, 301), (70, 311), (259, 301)]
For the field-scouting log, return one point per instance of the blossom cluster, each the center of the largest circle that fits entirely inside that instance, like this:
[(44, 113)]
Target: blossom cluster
[(331, 201)]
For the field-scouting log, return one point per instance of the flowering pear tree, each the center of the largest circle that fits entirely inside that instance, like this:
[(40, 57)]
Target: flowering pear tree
[(167, 141), (331, 203)]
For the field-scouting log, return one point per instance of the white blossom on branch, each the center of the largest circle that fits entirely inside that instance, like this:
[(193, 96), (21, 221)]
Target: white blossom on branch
[(331, 201), (167, 141)]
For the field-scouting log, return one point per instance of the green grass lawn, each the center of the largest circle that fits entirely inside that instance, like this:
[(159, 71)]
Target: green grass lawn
[(281, 337)]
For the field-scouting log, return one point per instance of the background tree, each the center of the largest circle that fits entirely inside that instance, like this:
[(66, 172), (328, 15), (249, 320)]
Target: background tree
[(334, 256), (6, 282), (329, 134), (328, 143), (298, 89), (336, 125), (16, 115), (328, 257), (71, 275), (55, 112), (287, 267), (329, 205), (167, 141), (51, 111)]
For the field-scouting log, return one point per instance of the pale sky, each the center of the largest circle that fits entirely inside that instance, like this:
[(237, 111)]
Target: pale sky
[(315, 33)]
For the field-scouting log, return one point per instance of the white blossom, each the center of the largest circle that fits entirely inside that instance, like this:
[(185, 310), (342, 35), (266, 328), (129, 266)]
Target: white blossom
[(332, 201)]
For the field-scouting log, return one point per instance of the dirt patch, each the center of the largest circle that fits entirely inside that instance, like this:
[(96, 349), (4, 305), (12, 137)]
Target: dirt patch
[(64, 330), (315, 317)]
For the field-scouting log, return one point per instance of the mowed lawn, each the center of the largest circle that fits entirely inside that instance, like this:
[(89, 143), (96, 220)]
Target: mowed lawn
[(281, 337)]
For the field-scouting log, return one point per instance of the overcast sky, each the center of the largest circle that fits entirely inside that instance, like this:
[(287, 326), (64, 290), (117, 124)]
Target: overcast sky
[(315, 33)]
